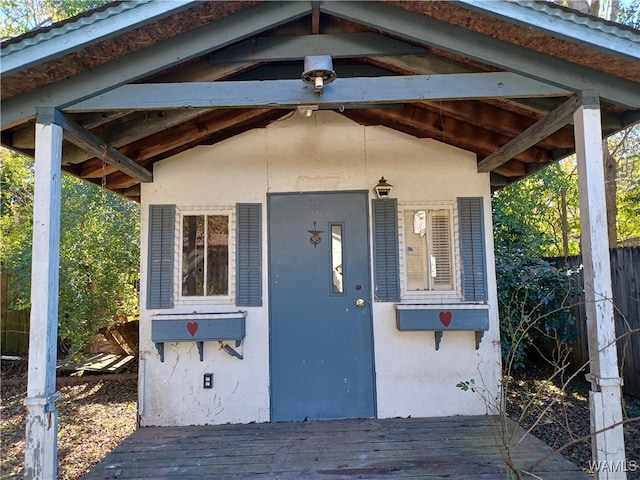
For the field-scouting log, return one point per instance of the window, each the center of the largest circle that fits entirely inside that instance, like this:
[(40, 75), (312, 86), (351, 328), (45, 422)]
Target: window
[(205, 255), (427, 241)]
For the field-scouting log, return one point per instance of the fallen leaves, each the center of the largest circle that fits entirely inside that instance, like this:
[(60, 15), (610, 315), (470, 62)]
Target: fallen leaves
[(93, 419)]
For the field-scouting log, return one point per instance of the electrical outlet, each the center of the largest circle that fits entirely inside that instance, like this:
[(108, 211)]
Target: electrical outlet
[(208, 380)]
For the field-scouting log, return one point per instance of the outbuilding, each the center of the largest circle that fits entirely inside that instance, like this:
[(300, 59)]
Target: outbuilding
[(315, 182)]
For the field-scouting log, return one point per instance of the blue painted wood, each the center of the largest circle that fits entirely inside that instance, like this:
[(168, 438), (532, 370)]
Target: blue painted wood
[(249, 254), (195, 329), (321, 343), (280, 48), (199, 41), (385, 250), (443, 319), (341, 92), (472, 249), (421, 30), (160, 256)]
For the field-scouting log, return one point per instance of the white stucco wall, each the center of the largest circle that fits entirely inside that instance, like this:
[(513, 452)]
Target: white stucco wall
[(323, 153)]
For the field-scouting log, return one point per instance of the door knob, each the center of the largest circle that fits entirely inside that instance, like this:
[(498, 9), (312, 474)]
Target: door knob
[(359, 303)]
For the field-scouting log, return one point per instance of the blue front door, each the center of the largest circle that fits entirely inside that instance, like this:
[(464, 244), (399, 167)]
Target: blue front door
[(320, 311)]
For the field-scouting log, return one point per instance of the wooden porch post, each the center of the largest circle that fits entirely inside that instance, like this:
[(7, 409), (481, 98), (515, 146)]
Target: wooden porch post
[(41, 452), (605, 395)]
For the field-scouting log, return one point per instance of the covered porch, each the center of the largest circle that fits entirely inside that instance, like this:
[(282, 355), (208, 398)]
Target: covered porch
[(469, 447)]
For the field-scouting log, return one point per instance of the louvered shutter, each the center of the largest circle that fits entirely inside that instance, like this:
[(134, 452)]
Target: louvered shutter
[(472, 249), (385, 247), (160, 256), (440, 249), (248, 254)]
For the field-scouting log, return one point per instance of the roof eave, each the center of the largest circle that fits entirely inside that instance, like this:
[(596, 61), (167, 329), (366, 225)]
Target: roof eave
[(586, 30), (72, 36)]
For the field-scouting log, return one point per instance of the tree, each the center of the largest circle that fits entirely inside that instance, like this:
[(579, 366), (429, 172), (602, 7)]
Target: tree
[(16, 218), (99, 259), (99, 246), (99, 251), (627, 13)]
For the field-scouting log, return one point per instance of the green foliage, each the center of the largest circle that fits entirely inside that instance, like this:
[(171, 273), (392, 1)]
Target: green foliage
[(540, 213), (467, 385), (16, 218), (99, 251), (629, 14), (99, 258), (533, 296), (626, 147), (534, 300)]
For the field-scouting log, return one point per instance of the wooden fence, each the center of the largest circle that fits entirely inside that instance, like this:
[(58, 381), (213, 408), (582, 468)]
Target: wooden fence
[(14, 324), (625, 276)]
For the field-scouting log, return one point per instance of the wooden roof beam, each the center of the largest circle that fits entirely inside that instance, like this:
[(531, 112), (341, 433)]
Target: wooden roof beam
[(172, 138), (88, 141), (281, 48), (510, 124), (424, 123), (531, 136), (422, 30), (343, 92), (156, 58)]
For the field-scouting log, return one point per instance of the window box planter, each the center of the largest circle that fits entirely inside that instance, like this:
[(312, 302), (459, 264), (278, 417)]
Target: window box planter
[(442, 318), (199, 328)]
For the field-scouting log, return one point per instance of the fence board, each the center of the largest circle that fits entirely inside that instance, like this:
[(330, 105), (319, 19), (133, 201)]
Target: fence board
[(14, 324), (625, 278)]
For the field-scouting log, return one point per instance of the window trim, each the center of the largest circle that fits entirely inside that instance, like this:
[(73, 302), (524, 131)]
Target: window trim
[(230, 298), (455, 294)]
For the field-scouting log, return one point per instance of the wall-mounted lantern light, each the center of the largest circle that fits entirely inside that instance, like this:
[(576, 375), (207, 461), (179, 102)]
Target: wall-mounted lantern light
[(318, 71), (382, 189)]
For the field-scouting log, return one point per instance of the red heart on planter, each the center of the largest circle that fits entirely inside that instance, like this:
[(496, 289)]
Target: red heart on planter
[(445, 318), (192, 327)]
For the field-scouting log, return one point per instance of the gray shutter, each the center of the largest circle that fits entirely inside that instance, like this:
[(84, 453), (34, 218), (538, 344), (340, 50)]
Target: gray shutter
[(248, 254), (160, 256), (472, 249), (385, 248)]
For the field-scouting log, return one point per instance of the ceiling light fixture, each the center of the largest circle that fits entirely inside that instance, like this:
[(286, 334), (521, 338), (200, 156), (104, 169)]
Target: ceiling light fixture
[(306, 111), (318, 71)]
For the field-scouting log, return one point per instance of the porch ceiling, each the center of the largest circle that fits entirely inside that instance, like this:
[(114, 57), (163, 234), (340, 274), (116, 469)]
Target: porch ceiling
[(541, 55)]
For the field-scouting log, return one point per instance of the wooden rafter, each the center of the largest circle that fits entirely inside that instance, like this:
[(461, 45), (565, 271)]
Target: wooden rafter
[(531, 136), (99, 148), (424, 123)]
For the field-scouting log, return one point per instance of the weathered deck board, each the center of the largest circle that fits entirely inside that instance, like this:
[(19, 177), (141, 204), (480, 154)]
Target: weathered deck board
[(454, 447)]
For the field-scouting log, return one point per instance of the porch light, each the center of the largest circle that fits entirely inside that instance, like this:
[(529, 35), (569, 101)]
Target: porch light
[(318, 71), (382, 189), (306, 110)]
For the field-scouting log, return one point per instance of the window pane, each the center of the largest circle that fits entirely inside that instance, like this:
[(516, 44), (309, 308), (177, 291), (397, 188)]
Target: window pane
[(193, 255), (336, 258), (217, 255), (416, 249), (441, 250)]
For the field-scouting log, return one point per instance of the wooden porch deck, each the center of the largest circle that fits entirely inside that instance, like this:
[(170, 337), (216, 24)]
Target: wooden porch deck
[(453, 448)]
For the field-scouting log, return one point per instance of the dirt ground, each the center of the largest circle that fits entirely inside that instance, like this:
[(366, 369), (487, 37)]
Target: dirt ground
[(95, 416)]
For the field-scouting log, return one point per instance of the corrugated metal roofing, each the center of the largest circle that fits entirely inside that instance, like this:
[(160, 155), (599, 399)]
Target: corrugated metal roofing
[(114, 8), (82, 20), (579, 18)]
